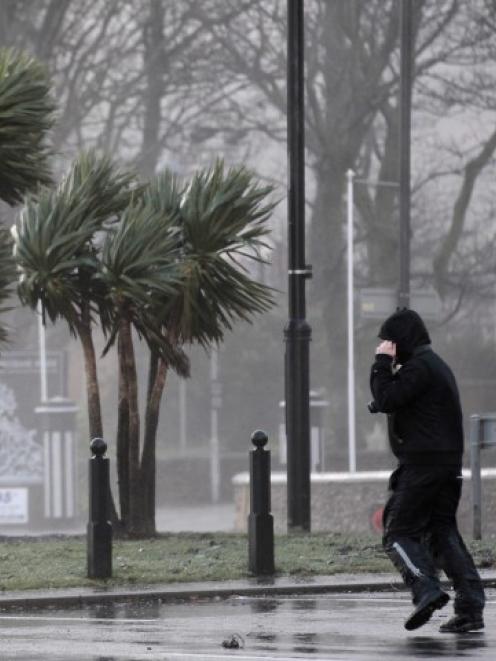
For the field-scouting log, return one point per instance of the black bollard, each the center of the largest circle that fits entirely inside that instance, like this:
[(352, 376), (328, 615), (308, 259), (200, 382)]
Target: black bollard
[(260, 520), (99, 537)]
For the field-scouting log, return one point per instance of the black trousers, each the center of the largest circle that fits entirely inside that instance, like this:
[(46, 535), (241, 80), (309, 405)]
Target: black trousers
[(421, 534)]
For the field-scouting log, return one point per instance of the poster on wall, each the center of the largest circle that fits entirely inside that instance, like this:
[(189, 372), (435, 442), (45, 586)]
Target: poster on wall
[(13, 505)]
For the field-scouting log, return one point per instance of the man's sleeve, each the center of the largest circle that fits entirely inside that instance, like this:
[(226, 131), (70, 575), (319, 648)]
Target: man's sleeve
[(394, 391)]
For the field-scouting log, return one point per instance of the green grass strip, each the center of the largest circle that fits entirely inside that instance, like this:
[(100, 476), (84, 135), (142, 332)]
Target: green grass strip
[(60, 562)]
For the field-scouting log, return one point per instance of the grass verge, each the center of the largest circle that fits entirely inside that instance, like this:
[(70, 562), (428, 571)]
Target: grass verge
[(60, 562)]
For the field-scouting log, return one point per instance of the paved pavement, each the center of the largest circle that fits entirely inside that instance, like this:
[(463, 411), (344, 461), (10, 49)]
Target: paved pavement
[(342, 617), (265, 587)]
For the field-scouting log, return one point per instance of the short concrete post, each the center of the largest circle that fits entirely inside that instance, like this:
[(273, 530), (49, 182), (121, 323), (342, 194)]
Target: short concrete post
[(260, 521), (99, 532)]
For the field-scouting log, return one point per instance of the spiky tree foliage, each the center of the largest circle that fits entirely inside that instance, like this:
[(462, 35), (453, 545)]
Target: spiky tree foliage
[(26, 115), (224, 225), (7, 274), (165, 260), (164, 196), (57, 252), (164, 193), (140, 269), (141, 275), (212, 228)]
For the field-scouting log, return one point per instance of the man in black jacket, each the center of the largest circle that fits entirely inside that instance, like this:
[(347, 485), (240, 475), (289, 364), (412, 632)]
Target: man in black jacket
[(418, 391)]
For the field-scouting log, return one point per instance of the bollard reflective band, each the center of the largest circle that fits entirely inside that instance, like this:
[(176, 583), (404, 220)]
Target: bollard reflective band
[(402, 553)]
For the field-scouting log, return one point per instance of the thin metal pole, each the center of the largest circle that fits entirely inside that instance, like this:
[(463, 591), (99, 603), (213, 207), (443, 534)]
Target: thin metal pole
[(405, 133), (297, 332), (42, 355), (214, 427), (475, 466), (182, 414), (351, 336)]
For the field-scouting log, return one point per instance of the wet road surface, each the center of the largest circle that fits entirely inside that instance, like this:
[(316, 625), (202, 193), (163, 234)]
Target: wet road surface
[(338, 626)]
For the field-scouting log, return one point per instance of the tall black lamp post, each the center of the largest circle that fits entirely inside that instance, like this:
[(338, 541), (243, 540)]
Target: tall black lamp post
[(405, 131), (297, 332)]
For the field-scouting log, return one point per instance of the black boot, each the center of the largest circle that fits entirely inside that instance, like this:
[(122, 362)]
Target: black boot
[(463, 623), (431, 600)]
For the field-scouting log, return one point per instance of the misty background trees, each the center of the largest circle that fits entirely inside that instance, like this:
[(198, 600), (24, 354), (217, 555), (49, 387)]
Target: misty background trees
[(177, 83)]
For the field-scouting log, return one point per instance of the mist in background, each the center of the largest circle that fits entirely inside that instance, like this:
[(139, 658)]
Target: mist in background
[(178, 83)]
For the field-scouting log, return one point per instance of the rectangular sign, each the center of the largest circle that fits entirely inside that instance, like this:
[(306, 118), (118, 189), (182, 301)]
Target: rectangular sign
[(488, 431), (28, 362), (376, 303), (13, 505)]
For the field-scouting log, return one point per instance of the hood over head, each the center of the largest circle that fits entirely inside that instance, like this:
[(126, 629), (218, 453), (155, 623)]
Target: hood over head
[(407, 330)]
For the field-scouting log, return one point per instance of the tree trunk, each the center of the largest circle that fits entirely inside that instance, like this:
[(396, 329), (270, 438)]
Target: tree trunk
[(157, 379), (51, 28), (127, 363), (380, 214), (449, 243), (93, 396), (123, 439), (327, 299), (155, 61), (92, 387)]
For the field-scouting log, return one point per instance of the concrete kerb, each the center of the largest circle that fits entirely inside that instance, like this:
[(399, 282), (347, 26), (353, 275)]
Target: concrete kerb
[(283, 586)]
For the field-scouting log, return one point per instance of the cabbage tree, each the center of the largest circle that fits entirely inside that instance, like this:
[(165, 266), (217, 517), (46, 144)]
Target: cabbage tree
[(140, 271), (26, 115), (57, 248), (162, 263), (177, 269)]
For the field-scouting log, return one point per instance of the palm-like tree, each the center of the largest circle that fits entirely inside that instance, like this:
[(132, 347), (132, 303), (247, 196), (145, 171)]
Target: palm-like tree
[(26, 115), (165, 260), (190, 290), (57, 246), (224, 217), (141, 274)]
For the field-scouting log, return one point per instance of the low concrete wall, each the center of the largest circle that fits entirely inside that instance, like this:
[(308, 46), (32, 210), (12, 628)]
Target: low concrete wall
[(352, 502), (186, 479)]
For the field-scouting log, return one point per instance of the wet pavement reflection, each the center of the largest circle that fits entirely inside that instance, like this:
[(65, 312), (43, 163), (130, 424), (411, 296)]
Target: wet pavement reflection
[(321, 627), (425, 646)]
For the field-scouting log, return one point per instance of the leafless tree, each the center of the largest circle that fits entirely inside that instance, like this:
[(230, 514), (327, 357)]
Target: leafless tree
[(352, 105)]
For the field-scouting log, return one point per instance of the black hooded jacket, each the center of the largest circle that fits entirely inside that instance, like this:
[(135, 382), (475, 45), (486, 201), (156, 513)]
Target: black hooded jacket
[(421, 397)]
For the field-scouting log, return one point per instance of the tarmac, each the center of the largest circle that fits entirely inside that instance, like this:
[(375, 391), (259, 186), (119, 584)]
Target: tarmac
[(325, 618)]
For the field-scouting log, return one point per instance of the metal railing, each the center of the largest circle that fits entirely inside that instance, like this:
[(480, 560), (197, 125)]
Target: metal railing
[(482, 435)]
